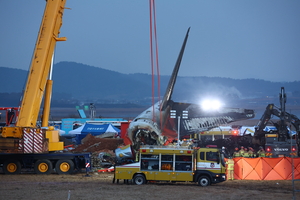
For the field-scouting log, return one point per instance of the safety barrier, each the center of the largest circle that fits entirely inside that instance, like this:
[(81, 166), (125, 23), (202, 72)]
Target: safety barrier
[(266, 168)]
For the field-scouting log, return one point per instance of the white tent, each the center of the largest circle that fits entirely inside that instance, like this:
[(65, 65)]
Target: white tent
[(103, 130), (95, 129)]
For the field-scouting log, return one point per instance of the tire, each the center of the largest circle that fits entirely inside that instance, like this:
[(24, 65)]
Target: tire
[(204, 181), (43, 167), (64, 167), (12, 167), (139, 179)]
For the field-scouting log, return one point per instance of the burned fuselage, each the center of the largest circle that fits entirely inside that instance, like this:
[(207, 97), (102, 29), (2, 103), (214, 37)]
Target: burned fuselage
[(155, 126)]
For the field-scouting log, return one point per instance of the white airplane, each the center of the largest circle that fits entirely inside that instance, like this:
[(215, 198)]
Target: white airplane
[(155, 126)]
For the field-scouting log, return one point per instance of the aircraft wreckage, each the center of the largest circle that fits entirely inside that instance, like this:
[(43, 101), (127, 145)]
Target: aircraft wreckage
[(154, 126)]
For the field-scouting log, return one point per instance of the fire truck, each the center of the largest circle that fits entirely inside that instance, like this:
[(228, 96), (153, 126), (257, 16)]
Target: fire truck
[(204, 166), (26, 145)]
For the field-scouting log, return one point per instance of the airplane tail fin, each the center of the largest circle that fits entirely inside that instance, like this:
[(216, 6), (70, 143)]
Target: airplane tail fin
[(172, 80)]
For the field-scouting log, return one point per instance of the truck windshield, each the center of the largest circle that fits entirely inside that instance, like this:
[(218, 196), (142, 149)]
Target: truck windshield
[(212, 156)]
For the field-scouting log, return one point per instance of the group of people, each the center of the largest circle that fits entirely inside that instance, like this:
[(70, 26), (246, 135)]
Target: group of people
[(249, 152), (242, 152)]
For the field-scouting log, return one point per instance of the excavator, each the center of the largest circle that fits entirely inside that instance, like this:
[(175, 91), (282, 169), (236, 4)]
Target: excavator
[(279, 142), (25, 144)]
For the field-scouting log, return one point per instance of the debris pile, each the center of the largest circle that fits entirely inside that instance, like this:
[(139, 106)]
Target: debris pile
[(101, 149), (93, 144)]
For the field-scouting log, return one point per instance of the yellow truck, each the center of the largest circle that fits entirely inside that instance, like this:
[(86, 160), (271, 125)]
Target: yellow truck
[(204, 166)]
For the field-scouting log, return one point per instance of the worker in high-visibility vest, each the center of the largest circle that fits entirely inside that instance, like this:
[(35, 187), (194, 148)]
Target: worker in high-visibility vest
[(261, 152), (230, 169), (236, 153), (242, 151), (246, 154), (137, 156), (251, 153)]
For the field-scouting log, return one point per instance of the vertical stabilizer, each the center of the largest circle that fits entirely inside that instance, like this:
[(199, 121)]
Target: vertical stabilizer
[(173, 77)]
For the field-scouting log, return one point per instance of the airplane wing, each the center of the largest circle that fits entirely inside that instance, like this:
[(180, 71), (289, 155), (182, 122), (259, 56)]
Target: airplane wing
[(199, 120)]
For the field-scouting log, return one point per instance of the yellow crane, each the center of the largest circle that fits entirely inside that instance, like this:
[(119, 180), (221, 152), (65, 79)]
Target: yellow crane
[(39, 83), (27, 145)]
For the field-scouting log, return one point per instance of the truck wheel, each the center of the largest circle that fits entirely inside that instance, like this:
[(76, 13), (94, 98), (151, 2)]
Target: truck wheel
[(64, 167), (43, 167), (204, 181), (139, 179), (12, 167)]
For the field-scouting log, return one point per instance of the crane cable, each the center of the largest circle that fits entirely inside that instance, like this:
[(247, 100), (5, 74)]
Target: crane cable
[(152, 51)]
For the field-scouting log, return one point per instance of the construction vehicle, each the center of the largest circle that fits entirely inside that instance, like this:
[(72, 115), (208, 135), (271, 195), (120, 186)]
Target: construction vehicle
[(204, 166), (26, 145), (279, 142)]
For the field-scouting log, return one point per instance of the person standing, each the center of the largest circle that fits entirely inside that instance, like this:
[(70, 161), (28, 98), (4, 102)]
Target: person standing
[(251, 153), (242, 151), (246, 154), (224, 152), (230, 168), (236, 153), (261, 152)]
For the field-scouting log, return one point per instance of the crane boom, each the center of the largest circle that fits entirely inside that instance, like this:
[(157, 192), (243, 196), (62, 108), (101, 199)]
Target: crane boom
[(41, 62), (38, 81), (26, 145)]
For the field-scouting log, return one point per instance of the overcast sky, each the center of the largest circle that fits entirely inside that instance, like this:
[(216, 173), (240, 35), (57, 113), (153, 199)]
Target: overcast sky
[(231, 38)]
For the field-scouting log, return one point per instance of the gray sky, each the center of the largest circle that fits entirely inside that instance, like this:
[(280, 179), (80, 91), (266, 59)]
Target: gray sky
[(230, 38)]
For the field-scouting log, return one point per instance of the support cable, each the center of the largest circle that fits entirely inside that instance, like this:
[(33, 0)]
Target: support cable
[(154, 54)]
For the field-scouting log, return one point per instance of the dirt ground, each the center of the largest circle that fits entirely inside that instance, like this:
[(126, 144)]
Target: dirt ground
[(100, 186)]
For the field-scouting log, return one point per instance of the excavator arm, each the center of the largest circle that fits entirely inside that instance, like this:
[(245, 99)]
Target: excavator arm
[(264, 120), (281, 125)]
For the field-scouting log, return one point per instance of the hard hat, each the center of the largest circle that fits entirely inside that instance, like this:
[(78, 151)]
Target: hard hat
[(246, 149), (242, 147), (236, 148)]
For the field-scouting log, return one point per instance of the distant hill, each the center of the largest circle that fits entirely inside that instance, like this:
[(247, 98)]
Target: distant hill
[(12, 80), (84, 83)]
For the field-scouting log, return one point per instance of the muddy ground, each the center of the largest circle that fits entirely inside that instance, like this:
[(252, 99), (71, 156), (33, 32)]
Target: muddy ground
[(100, 186)]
